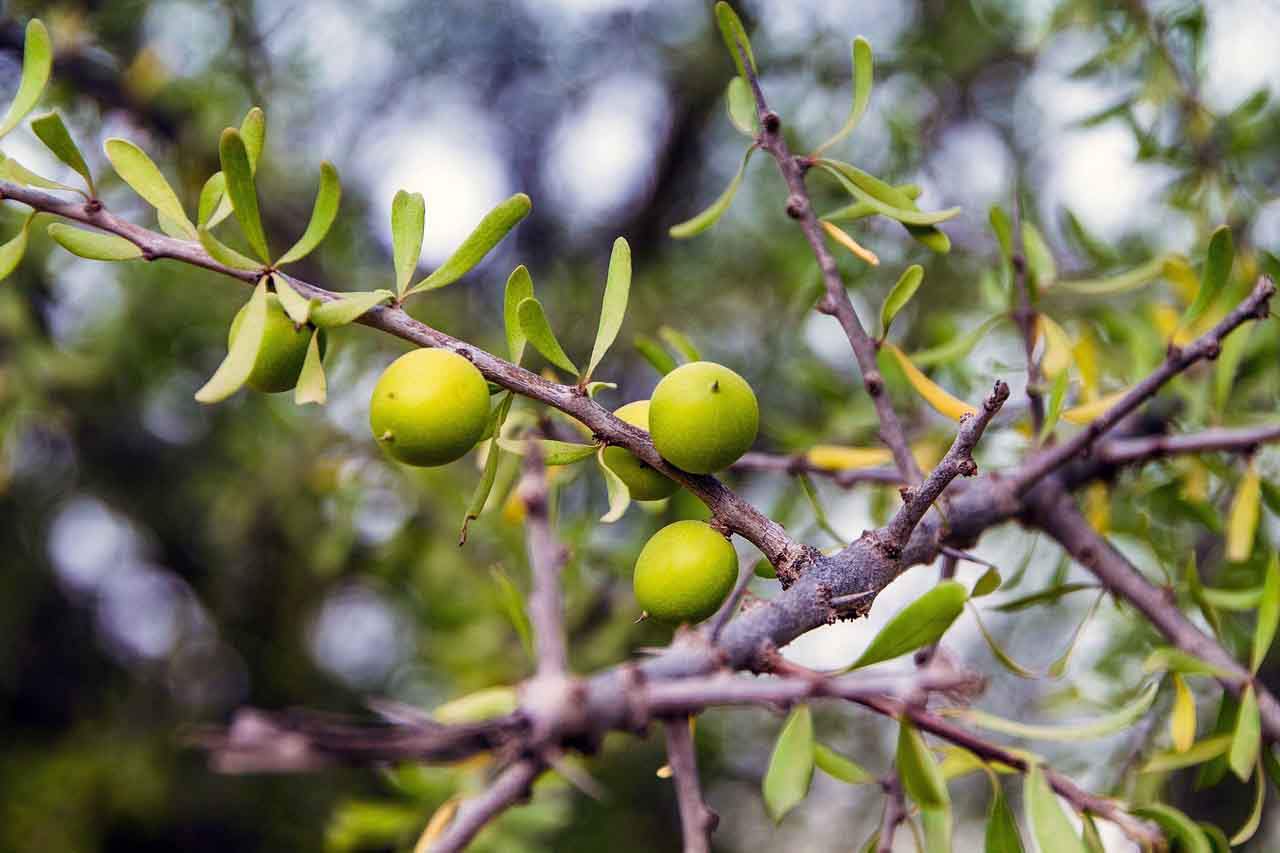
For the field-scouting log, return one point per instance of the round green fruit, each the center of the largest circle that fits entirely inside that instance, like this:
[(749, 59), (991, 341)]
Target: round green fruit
[(644, 483), (430, 407), (283, 350), (703, 416), (685, 572)]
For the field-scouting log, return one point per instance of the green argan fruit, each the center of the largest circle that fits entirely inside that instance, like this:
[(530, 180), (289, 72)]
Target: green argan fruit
[(703, 416), (685, 572), (283, 350), (644, 483), (430, 407)]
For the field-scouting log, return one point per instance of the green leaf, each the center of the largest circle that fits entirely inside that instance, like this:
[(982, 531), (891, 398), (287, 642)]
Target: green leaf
[(861, 210), (323, 212), (735, 37), (1217, 838), (1177, 827), (1217, 269), (513, 605), (496, 224), (253, 130), (408, 222), (886, 200), (937, 829), (12, 170), (484, 704), (906, 287), (553, 452), (14, 248), (932, 238), (1254, 820), (920, 623), (679, 342), (921, 777), (138, 170), (519, 288), (294, 303), (707, 218), (619, 494), (1000, 654), (1224, 370), (1002, 829), (957, 347), (1107, 724), (786, 782), (480, 496), (1040, 262), (224, 254), (533, 322), (653, 353), (1059, 666), (987, 583), (1057, 394), (347, 309), (1003, 230), (862, 78), (1198, 753), (54, 134), (1212, 771), (311, 387), (212, 195), (1270, 764), (1131, 280), (1247, 738), (1268, 614), (37, 61), (741, 105), (1242, 519), (241, 191), (839, 767), (94, 245), (1044, 596), (1169, 659), (1049, 825), (243, 354), (614, 306), (1196, 589)]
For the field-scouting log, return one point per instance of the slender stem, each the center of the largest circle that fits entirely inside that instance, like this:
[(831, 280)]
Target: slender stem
[(546, 559), (1134, 451), (1025, 316), (473, 814), (697, 820), (895, 812)]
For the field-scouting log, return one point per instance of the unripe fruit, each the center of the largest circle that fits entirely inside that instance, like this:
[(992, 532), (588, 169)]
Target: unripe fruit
[(644, 483), (702, 417), (283, 350), (430, 407), (685, 572)]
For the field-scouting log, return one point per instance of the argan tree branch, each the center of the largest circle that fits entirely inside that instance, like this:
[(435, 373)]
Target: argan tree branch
[(511, 786), (697, 820), (895, 812), (1024, 314), (1135, 451), (546, 559)]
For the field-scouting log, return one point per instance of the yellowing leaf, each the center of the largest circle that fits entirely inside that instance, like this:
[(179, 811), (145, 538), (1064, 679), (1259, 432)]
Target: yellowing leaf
[(1057, 346), (1085, 356), (942, 401), (1182, 722), (831, 457), (1081, 415), (437, 825), (1097, 506), (841, 237), (1242, 521)]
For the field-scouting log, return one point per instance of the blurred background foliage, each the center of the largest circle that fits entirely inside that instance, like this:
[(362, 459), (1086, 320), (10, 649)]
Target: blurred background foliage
[(165, 563)]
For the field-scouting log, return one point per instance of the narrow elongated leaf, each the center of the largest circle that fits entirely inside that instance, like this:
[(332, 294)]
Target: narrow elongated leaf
[(1177, 826), (1242, 520), (408, 222), (12, 170), (614, 307), (1268, 614), (483, 704), (1002, 828), (619, 494), (224, 254), (919, 624), (94, 245), (1058, 348), (1057, 394), (1217, 269), (138, 170), (294, 303), (957, 347), (212, 196), (1059, 666), (845, 239), (1233, 599), (937, 829), (14, 248), (480, 496), (311, 387), (786, 782), (905, 288), (1102, 726), (735, 37), (1169, 659), (253, 130), (1194, 587), (1049, 825), (243, 353), (1196, 753), (1040, 263), (1224, 369), (1003, 229), (861, 210), (653, 353), (839, 767), (1094, 409), (1246, 740), (862, 78), (741, 105), (1044, 596), (348, 309), (519, 288), (1139, 276), (439, 822), (513, 605), (941, 401), (987, 583), (533, 322), (1182, 722), (921, 777), (241, 190), (553, 452), (712, 214), (1213, 770), (679, 343), (819, 513), (323, 212), (1254, 820), (830, 457), (37, 61), (54, 134), (1000, 654), (886, 200), (495, 225)]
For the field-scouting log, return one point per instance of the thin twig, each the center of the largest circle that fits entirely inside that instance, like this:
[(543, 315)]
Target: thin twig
[(697, 820), (1134, 451), (473, 814), (895, 812), (1025, 316), (546, 559)]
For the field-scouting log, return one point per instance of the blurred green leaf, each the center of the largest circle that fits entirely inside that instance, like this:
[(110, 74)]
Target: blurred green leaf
[(1044, 596), (37, 61), (1198, 753), (512, 603), (956, 348), (138, 170), (921, 777), (614, 306), (1002, 828), (1254, 820), (986, 584), (735, 37), (1217, 269), (786, 782), (241, 191), (253, 131), (839, 767), (819, 513), (653, 353), (480, 496), (519, 288), (886, 200), (1169, 659), (495, 225), (1057, 395), (712, 214), (311, 387), (323, 212), (862, 64), (243, 352), (1246, 740), (553, 452), (94, 245), (1179, 828), (211, 196), (1042, 267), (1139, 276), (905, 288), (1268, 614), (998, 651), (1003, 230), (1049, 825), (54, 134), (741, 105), (679, 343), (920, 623), (533, 322), (1107, 724)]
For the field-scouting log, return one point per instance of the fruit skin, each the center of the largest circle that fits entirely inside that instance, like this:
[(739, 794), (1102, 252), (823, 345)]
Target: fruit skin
[(684, 572), (283, 350), (703, 416), (644, 483), (430, 407)]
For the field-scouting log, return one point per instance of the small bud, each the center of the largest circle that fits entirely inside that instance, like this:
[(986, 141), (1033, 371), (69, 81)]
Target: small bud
[(772, 122)]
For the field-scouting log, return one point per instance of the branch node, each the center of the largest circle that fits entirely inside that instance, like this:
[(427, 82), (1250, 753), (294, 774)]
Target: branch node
[(772, 122), (873, 382), (92, 207), (797, 206)]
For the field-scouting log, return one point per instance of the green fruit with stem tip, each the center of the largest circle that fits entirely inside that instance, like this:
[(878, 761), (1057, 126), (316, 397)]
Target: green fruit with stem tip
[(685, 572), (430, 407), (703, 416), (644, 483), (283, 350)]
